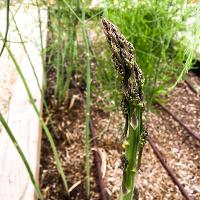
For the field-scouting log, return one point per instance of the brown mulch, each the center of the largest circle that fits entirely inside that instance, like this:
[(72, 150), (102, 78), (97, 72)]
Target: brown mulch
[(179, 149), (67, 127)]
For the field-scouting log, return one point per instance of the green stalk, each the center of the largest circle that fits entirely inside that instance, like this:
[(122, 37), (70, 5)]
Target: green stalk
[(132, 81), (88, 80), (46, 130), (19, 150), (87, 128), (7, 26), (41, 44), (31, 63), (66, 46), (26, 52), (59, 71), (131, 152), (72, 58)]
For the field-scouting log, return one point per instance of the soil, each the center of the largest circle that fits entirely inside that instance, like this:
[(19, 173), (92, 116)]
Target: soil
[(180, 150)]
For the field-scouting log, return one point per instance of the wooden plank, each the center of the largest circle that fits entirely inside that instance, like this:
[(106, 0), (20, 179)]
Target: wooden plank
[(15, 183)]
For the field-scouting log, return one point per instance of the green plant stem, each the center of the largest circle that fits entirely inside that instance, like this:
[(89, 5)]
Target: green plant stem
[(72, 59), (131, 153), (87, 130), (46, 130), (41, 44), (59, 73), (7, 26), (12, 137), (27, 54), (65, 45), (31, 63), (74, 13)]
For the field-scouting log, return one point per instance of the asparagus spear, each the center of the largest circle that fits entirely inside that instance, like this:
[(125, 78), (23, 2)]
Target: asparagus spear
[(132, 81)]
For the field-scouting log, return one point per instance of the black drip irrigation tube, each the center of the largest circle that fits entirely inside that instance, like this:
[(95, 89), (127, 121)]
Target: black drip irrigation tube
[(191, 132), (190, 86), (158, 154), (169, 170)]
